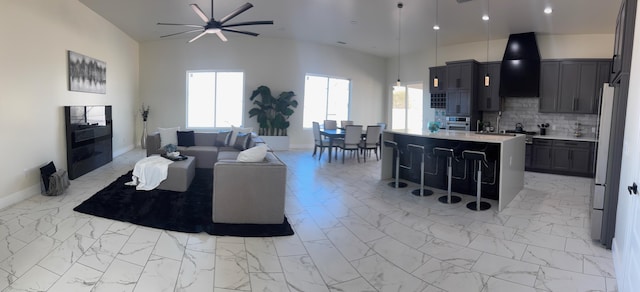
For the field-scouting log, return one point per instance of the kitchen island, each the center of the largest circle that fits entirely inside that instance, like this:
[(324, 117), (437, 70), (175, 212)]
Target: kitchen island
[(502, 176)]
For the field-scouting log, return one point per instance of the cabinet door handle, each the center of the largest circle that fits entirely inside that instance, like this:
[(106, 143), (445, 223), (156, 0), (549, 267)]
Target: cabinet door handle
[(575, 104)]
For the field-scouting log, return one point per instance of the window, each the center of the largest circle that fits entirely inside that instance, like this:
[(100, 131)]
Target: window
[(325, 98), (214, 99), (407, 107)]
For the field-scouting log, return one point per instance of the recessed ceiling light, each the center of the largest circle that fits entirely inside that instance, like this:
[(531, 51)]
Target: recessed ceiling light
[(548, 10), (485, 17), (354, 22), (341, 42), (436, 27)]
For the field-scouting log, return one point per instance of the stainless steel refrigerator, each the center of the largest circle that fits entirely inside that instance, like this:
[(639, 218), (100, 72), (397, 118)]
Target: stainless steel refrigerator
[(600, 182)]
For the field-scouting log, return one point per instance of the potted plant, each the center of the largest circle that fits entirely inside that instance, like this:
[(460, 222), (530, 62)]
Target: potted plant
[(272, 114)]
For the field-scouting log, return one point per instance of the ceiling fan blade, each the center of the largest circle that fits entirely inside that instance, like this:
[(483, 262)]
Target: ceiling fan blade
[(179, 24), (240, 31), (249, 23), (221, 36), (236, 12), (198, 36), (198, 11), (177, 33)]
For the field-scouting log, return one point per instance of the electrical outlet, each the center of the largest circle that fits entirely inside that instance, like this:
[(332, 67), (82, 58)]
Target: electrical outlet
[(593, 129)]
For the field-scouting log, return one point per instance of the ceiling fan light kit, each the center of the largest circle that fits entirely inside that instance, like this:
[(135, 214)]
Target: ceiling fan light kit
[(213, 26)]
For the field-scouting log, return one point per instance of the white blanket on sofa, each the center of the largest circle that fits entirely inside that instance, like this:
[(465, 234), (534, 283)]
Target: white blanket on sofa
[(149, 172)]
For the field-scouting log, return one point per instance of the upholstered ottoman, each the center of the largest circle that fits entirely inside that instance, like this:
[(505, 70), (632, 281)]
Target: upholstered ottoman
[(180, 175)]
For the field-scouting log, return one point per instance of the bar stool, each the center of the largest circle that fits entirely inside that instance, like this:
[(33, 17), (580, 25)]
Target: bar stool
[(395, 184), (447, 153), (478, 158), (419, 149)]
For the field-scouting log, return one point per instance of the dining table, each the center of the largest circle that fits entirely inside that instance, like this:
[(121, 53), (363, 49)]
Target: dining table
[(332, 134)]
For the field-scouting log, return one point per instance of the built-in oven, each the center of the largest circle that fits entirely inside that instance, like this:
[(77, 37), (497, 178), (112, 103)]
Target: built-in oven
[(458, 123)]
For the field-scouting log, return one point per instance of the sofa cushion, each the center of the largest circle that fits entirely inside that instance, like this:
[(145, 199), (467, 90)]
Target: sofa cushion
[(168, 136), (205, 139), (228, 155), (234, 133), (222, 139), (255, 154), (242, 141), (186, 138)]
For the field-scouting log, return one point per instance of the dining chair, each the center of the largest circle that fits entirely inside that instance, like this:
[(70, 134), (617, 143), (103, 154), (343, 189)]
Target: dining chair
[(352, 138), (319, 141), (330, 124), (345, 123), (370, 142)]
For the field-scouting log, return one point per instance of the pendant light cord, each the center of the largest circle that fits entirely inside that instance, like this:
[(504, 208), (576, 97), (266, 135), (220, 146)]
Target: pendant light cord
[(400, 5), (488, 33), (437, 23)]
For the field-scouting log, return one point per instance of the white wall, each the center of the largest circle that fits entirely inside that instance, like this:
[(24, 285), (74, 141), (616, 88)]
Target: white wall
[(415, 67), (278, 63), (33, 68)]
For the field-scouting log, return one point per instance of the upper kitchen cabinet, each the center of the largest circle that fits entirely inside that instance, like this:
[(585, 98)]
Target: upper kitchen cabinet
[(578, 93), (549, 84), (623, 44), (441, 73), (572, 85), (461, 74), (461, 88), (488, 98)]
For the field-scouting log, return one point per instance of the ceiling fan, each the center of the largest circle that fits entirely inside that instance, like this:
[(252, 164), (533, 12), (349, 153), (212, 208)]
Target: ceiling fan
[(213, 26)]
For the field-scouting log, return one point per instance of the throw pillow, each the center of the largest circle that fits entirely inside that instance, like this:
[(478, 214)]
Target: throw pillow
[(168, 136), (235, 131), (222, 139), (255, 154), (186, 138), (242, 141), (46, 172)]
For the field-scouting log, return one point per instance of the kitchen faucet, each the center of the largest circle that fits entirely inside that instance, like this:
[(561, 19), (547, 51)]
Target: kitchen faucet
[(498, 121)]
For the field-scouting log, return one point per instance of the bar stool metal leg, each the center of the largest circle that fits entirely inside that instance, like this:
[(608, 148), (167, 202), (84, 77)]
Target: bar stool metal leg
[(477, 157), (396, 183), (421, 192), (448, 154)]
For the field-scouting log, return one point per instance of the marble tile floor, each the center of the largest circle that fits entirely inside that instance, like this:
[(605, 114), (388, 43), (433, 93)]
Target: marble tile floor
[(353, 233)]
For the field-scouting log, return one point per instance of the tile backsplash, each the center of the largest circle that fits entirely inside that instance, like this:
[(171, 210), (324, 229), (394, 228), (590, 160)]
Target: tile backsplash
[(525, 111)]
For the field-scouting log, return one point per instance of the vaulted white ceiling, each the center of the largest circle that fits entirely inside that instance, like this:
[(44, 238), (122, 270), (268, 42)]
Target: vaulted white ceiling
[(370, 26)]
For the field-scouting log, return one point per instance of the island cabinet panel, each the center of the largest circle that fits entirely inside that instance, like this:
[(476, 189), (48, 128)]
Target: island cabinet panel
[(464, 172)]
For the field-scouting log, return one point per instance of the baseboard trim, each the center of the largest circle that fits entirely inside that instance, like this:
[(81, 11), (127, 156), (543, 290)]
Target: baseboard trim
[(118, 152), (19, 196)]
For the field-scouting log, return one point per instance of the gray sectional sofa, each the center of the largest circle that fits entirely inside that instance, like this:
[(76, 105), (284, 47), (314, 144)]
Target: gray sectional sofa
[(243, 192), (205, 151)]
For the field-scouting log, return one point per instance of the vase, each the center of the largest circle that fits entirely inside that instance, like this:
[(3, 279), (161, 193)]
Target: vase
[(143, 139)]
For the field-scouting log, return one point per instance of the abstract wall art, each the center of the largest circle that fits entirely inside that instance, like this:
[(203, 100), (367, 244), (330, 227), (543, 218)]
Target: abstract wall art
[(87, 74)]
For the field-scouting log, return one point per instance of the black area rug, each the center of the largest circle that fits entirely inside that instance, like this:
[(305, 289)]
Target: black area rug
[(185, 212)]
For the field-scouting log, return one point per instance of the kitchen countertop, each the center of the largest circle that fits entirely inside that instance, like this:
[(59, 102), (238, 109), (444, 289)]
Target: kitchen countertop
[(566, 137), (459, 135)]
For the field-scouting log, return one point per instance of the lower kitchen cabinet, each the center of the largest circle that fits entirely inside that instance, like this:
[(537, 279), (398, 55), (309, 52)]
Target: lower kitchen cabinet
[(563, 157)]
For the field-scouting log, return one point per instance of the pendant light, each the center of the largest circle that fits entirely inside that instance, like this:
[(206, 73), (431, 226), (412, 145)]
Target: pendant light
[(436, 27), (487, 80), (400, 5)]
